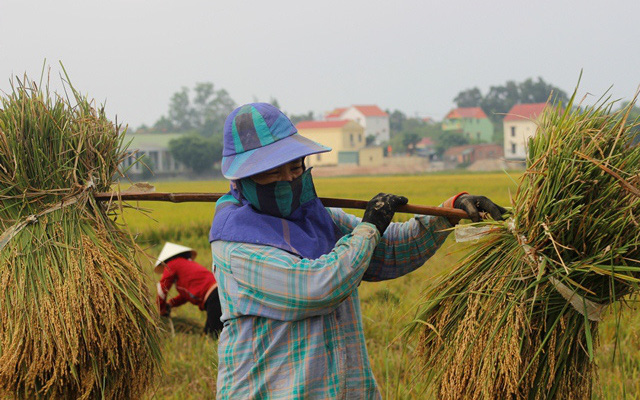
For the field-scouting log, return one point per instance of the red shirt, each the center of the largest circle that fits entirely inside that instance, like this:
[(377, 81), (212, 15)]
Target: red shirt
[(192, 281)]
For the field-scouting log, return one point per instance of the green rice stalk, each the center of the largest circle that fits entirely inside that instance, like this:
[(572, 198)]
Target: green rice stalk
[(75, 315), (497, 326)]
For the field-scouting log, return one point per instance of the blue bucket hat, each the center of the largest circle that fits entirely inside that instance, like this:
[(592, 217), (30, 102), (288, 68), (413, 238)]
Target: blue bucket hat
[(259, 137)]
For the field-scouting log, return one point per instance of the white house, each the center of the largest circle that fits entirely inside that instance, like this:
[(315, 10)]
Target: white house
[(371, 117), (520, 124)]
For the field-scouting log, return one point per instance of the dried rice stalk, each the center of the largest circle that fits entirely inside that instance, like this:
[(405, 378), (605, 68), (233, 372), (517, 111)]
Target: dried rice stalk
[(511, 320), (75, 316)]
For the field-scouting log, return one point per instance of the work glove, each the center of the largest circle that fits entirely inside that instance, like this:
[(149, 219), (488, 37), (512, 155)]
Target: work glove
[(474, 205), (166, 311), (163, 308), (380, 210)]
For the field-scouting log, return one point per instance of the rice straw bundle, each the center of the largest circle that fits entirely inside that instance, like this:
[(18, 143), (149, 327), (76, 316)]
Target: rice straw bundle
[(518, 317), (75, 316)]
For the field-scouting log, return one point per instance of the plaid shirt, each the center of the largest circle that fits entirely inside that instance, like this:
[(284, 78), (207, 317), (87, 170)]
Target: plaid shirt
[(292, 326)]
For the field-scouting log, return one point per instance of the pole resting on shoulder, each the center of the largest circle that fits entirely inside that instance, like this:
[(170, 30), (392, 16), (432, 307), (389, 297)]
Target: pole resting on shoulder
[(326, 201)]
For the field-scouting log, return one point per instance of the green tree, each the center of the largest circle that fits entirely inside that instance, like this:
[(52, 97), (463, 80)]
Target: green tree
[(449, 139), (369, 140), (180, 111), (540, 91), (211, 108), (204, 112), (500, 98), (413, 130), (396, 122), (163, 125), (469, 98), (196, 152), (295, 118)]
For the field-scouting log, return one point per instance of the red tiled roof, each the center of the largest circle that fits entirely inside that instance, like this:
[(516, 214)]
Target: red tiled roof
[(336, 113), (457, 150), (322, 124), (466, 112), (467, 148), (371, 111), (524, 111), (425, 142)]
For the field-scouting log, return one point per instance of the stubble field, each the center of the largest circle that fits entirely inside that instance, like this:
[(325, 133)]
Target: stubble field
[(191, 358)]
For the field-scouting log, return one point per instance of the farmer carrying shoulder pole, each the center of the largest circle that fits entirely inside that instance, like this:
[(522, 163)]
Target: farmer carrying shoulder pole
[(288, 268), (195, 284)]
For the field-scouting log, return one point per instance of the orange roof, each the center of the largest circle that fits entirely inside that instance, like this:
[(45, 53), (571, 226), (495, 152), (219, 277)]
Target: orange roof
[(466, 112), (322, 124), (336, 113), (457, 150), (524, 111), (371, 111), (425, 142)]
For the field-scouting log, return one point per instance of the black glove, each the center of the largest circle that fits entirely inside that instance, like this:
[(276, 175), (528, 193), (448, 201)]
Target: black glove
[(168, 311), (474, 205), (165, 310), (381, 208)]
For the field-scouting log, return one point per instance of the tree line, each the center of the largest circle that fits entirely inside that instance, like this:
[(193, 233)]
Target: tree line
[(200, 113), (499, 99)]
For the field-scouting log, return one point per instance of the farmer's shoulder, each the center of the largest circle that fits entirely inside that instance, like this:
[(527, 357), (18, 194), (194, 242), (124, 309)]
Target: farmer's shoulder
[(345, 221), (225, 250)]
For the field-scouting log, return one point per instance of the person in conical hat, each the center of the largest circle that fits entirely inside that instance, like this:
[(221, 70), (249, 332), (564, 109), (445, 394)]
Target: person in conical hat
[(195, 284), (288, 268)]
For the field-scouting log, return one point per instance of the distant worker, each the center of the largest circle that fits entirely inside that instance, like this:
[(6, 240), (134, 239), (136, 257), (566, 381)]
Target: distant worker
[(195, 284)]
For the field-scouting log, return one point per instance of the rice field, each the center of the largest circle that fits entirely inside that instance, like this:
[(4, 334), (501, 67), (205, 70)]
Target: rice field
[(190, 357)]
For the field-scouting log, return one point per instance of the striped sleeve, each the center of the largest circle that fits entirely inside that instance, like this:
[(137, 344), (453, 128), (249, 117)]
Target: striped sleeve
[(269, 282), (404, 247)]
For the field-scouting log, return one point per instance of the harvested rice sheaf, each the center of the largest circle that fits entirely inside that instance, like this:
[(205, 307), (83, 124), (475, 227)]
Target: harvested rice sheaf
[(75, 316), (518, 317)]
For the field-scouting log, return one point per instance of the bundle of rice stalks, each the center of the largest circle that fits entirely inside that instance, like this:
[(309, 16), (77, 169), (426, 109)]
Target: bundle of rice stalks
[(518, 317), (75, 316)]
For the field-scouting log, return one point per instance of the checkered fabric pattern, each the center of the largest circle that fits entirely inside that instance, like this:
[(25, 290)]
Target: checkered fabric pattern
[(293, 327)]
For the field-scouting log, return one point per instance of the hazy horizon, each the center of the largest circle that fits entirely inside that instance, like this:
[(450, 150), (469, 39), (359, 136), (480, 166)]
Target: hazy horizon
[(407, 55)]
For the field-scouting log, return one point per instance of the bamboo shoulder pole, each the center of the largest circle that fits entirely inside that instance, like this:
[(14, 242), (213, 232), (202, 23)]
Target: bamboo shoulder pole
[(327, 201)]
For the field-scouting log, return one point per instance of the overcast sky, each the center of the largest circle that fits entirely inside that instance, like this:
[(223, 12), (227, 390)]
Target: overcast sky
[(415, 56)]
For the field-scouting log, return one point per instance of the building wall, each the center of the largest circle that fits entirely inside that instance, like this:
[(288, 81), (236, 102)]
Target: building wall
[(516, 137), (331, 137), (484, 151), (348, 157), (452, 125), (354, 137), (478, 130), (159, 160), (349, 137), (371, 156), (155, 149), (376, 126)]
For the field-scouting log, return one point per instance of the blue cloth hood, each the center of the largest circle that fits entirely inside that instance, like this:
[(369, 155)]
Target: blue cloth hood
[(308, 232)]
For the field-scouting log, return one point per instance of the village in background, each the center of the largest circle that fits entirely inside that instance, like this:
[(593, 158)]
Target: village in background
[(484, 133)]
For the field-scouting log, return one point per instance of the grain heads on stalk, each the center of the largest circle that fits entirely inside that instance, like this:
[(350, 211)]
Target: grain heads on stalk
[(75, 316)]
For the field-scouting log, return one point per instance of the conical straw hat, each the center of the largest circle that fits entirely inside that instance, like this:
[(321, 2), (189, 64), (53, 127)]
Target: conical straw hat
[(169, 250)]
